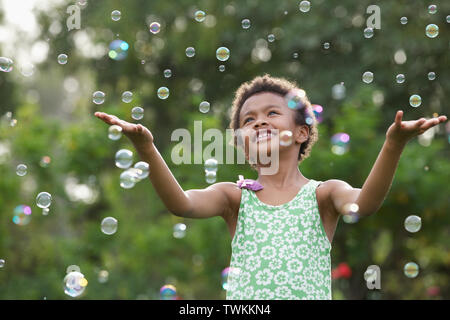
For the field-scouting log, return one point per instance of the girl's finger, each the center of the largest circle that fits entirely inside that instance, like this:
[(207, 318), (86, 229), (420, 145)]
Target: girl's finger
[(398, 117)]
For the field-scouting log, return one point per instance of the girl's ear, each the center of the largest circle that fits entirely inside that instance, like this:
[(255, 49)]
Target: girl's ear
[(302, 134)]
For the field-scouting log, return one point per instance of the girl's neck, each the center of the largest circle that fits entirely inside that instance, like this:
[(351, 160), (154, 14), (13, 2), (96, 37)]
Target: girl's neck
[(286, 176)]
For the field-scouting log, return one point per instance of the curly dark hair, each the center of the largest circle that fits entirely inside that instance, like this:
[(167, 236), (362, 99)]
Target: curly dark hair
[(280, 86)]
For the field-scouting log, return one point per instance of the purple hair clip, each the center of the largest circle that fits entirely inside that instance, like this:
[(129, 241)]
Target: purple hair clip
[(248, 184)]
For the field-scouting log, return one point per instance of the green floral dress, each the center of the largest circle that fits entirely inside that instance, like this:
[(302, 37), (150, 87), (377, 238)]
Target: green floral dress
[(280, 252)]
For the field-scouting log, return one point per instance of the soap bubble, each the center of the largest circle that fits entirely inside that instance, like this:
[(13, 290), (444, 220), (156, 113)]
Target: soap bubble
[(204, 106), (294, 99), (211, 165), (367, 77), (295, 55), (431, 75), (144, 168), (448, 18), (210, 176), (73, 268), (413, 223), (115, 132), (62, 58), (137, 113), (221, 68), (163, 93), (2, 263), (432, 31), (403, 20), (415, 100), (168, 292), (124, 158), (271, 37), (179, 230), (127, 96), (118, 49), (338, 91), (45, 211), (318, 110), (304, 6), (155, 27), (222, 54), (285, 138), (246, 23), (340, 143), (115, 15), (27, 69), (43, 199), (45, 161), (350, 213), (167, 73), (432, 9), (98, 97), (411, 269), (109, 225), (103, 276), (6, 64), (200, 16), (326, 45), (74, 284), (129, 178), (22, 215), (368, 33), (190, 52), (21, 170), (400, 78)]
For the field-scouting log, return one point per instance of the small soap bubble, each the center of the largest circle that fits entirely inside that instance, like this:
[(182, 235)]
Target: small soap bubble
[(295, 55), (155, 27), (210, 176), (144, 168), (168, 292), (45, 211), (367, 77), (294, 99), (115, 15), (432, 9), (127, 96), (304, 6), (368, 33), (432, 31), (403, 20), (129, 177), (98, 97), (45, 161), (2, 263), (6, 64), (27, 69), (271, 37), (413, 223), (74, 284), (190, 52), (115, 132), (411, 269), (163, 93), (222, 53), (62, 58), (245, 23), (22, 215), (448, 18), (317, 110), (124, 158), (200, 16), (103, 276), (73, 268), (400, 78), (326, 45), (167, 73), (415, 100), (285, 138), (211, 165), (340, 143), (204, 106), (21, 170), (221, 68), (431, 75), (43, 199), (109, 225), (179, 230), (350, 213), (118, 49), (137, 113)]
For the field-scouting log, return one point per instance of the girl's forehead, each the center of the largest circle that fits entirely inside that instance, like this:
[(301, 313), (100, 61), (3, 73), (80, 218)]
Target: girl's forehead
[(262, 99)]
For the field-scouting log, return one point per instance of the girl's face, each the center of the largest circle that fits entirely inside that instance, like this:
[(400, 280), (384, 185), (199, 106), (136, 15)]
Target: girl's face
[(262, 118)]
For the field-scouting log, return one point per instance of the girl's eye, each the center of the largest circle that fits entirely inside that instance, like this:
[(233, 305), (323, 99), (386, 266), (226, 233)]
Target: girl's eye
[(246, 120), (272, 112)]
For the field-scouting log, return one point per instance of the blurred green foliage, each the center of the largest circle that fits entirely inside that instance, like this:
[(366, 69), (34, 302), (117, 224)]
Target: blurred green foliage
[(54, 114)]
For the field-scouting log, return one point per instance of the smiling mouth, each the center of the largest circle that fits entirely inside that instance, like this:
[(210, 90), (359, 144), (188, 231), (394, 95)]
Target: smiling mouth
[(263, 135)]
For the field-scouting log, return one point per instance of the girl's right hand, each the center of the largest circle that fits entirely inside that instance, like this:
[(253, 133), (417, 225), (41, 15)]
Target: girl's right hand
[(139, 135)]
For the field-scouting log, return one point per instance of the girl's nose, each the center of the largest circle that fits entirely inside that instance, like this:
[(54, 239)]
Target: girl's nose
[(259, 123)]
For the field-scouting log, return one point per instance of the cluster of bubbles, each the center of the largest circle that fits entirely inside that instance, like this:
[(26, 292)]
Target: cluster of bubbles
[(118, 49), (109, 225), (295, 98), (211, 170), (131, 176), (168, 292), (74, 282), (204, 106), (340, 143), (179, 230), (22, 215)]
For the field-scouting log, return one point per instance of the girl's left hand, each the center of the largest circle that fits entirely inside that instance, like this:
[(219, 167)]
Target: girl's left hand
[(400, 132)]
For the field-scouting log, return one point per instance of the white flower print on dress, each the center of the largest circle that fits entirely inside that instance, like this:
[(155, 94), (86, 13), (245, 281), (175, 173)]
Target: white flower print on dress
[(244, 278), (253, 263), (294, 266), (286, 252), (282, 292), (249, 292), (275, 264), (264, 277), (281, 277), (303, 251), (260, 235), (249, 226), (268, 252), (277, 241), (276, 227), (250, 247), (264, 294)]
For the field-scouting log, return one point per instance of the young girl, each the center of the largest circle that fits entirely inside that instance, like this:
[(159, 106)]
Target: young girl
[(282, 225)]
